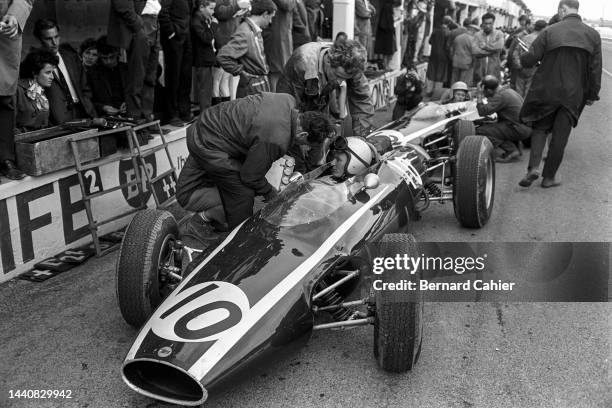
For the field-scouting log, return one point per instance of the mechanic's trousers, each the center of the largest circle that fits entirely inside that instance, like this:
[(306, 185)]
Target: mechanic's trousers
[(560, 123), (504, 135), (199, 188), (196, 191)]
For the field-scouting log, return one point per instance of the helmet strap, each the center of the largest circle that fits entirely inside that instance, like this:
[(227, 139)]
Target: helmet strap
[(357, 157)]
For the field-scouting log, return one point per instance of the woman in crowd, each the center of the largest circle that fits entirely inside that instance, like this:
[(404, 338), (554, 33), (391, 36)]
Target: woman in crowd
[(32, 106)]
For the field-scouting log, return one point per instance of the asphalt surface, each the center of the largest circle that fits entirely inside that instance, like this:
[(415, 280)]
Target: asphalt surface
[(67, 333)]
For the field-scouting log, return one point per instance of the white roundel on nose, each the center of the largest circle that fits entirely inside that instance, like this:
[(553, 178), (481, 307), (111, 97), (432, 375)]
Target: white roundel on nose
[(204, 312)]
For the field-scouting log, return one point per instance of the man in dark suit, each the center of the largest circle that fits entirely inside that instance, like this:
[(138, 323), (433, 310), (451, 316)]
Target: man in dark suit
[(69, 95), (133, 27), (174, 19)]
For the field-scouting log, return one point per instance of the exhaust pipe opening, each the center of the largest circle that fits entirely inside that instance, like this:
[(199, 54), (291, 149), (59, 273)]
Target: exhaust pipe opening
[(162, 381)]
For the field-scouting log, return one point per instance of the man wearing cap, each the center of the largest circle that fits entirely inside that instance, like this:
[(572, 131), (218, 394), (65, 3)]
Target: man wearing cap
[(568, 78), (508, 130), (462, 54)]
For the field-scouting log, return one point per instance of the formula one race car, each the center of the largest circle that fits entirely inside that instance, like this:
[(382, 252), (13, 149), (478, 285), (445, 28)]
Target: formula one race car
[(302, 263)]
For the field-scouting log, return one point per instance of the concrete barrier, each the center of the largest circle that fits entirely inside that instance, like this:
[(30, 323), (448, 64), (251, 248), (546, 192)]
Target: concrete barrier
[(42, 216)]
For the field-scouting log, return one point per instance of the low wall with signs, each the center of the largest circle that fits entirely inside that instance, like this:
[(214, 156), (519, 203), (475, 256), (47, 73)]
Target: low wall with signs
[(42, 216)]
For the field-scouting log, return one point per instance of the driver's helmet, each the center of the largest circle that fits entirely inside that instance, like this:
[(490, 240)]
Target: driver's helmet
[(459, 86), (360, 154)]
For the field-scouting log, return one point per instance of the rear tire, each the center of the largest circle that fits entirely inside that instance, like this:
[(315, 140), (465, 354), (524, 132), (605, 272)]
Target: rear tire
[(474, 182), (398, 327), (145, 246), (462, 129)]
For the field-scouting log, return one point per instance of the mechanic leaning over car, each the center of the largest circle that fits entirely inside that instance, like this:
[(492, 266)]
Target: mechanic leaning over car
[(508, 130), (233, 145), (313, 76)]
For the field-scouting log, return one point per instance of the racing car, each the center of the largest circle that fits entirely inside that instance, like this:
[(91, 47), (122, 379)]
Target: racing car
[(301, 263)]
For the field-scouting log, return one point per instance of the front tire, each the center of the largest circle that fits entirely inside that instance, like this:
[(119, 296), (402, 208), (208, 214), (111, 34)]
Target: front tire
[(146, 245), (474, 182), (398, 328), (461, 130)]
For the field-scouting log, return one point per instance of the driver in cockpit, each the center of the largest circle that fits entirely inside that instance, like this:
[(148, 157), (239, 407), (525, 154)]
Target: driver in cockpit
[(352, 155), (459, 92)]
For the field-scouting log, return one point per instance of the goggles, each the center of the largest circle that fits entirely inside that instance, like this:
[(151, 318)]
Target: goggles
[(341, 144)]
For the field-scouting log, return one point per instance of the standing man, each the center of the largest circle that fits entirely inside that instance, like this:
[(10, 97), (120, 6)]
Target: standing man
[(174, 24), (233, 145), (278, 43), (14, 14), (489, 44), (511, 45), (132, 27), (462, 51), (568, 78), (523, 77), (244, 55), (69, 94), (508, 130)]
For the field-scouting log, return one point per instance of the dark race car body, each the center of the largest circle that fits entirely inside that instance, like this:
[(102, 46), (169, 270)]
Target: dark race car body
[(260, 289)]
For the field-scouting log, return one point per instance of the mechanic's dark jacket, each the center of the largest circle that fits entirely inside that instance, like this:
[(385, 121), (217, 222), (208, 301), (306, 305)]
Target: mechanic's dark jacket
[(244, 51), (507, 104), (245, 135), (309, 77), (570, 70)]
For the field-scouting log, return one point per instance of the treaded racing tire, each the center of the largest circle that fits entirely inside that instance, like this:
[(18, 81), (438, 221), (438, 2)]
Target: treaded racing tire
[(398, 328), (462, 129), (474, 182), (137, 269)]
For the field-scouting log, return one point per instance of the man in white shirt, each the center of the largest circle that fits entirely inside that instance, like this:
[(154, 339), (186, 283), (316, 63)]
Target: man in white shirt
[(69, 95)]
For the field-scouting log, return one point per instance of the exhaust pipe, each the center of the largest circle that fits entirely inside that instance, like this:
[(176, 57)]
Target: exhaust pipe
[(163, 381)]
